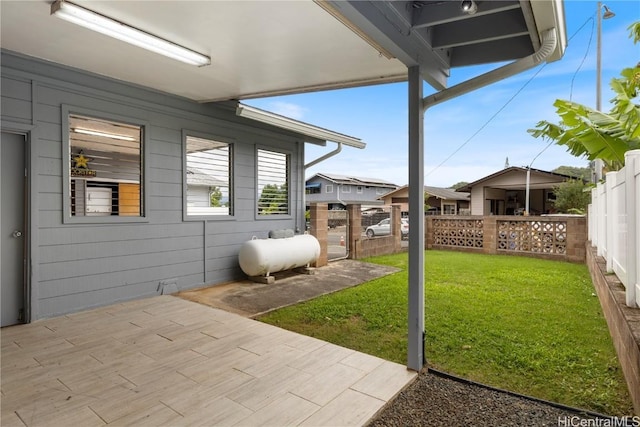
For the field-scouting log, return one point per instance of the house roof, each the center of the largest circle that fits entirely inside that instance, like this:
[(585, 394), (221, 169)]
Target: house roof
[(446, 193), (267, 48), (439, 192), (553, 178), (353, 180)]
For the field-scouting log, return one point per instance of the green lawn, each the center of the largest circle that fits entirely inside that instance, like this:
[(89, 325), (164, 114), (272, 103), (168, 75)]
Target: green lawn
[(527, 325)]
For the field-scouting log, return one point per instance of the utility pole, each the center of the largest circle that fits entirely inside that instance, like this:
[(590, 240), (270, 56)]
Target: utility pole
[(599, 164)]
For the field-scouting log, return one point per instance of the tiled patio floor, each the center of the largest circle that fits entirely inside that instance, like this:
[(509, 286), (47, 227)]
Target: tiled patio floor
[(167, 361)]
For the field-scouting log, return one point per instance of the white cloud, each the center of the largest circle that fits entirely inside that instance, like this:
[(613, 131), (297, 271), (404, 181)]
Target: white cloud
[(288, 109)]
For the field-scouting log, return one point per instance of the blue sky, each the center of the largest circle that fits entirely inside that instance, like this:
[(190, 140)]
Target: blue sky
[(378, 114)]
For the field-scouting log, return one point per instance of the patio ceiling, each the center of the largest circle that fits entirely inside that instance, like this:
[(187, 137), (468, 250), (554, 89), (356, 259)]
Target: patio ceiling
[(261, 48)]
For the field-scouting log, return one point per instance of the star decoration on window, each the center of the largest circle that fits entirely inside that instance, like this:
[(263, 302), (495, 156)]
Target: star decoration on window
[(81, 161)]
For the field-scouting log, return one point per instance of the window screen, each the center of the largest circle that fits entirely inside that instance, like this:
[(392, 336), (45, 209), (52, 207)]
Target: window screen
[(105, 168), (273, 183), (208, 177)]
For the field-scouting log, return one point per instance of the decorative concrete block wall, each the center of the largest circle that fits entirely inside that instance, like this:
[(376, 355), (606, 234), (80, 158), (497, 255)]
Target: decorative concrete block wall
[(557, 237)]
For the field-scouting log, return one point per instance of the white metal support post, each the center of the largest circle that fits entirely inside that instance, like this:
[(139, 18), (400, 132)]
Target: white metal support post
[(415, 350), (417, 106)]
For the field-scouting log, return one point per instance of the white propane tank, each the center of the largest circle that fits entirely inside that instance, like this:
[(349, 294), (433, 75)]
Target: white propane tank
[(260, 257)]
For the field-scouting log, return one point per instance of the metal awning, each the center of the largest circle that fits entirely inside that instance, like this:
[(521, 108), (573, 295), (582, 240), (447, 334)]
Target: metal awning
[(315, 133), (263, 48)]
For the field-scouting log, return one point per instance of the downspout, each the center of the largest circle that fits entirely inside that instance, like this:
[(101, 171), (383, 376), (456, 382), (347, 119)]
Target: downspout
[(547, 47), (324, 157), (315, 162), (416, 335)]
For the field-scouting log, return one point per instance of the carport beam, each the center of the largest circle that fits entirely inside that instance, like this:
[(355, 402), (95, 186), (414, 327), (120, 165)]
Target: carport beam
[(417, 106), (415, 351)]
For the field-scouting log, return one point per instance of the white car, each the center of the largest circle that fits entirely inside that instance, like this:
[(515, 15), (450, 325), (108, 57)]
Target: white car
[(383, 228)]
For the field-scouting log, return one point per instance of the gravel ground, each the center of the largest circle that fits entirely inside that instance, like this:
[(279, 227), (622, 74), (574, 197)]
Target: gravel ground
[(433, 400)]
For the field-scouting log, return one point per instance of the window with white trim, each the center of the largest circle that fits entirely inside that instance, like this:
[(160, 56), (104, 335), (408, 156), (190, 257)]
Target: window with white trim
[(329, 188), (273, 182), (208, 177), (448, 208), (105, 168), (345, 189)]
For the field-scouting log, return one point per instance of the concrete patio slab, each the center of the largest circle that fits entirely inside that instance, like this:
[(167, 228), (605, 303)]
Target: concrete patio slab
[(168, 361), (251, 299)]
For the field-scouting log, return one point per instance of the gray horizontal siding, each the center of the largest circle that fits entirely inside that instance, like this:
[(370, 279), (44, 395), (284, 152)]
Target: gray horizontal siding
[(16, 109), (93, 250), (90, 233), (78, 266), (58, 305), (15, 103), (113, 264), (16, 88)]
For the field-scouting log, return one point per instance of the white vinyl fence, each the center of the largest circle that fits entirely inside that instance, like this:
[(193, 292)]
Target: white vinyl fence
[(614, 224)]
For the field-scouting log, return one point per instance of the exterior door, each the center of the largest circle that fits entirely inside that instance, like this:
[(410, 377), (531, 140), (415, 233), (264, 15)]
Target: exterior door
[(12, 245)]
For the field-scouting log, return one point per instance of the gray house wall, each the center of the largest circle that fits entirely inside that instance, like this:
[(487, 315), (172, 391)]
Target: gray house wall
[(369, 194), (73, 266)]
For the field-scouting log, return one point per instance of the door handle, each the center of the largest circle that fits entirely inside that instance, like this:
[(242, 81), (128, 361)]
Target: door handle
[(17, 233)]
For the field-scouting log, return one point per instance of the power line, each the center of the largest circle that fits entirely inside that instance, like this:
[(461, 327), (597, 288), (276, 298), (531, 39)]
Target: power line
[(586, 53), (515, 95), (488, 121), (574, 75)]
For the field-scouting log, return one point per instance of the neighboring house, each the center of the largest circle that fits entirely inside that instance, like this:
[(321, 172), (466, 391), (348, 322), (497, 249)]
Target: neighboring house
[(341, 190), (441, 201), (504, 192)]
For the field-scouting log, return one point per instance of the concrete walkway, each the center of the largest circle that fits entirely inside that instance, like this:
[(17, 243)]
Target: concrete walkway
[(251, 299), (168, 361)]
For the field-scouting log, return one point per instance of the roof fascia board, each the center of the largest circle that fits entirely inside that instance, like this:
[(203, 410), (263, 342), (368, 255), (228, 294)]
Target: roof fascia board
[(313, 134)]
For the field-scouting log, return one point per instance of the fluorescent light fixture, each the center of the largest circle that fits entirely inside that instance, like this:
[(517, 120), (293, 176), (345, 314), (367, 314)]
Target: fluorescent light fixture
[(110, 27), (104, 134), (297, 126)]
